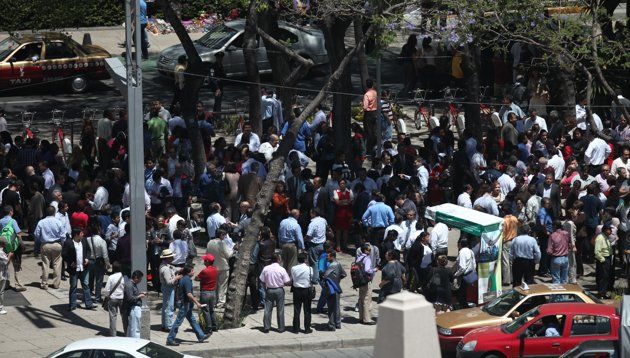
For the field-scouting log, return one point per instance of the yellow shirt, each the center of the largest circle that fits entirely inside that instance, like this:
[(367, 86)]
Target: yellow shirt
[(602, 248)]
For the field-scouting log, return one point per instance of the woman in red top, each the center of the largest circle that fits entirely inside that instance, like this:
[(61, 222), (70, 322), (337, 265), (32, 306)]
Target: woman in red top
[(343, 214), (279, 207), (208, 282)]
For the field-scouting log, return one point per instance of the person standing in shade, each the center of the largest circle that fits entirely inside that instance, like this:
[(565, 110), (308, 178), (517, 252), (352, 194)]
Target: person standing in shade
[(208, 296), (274, 277), (370, 116), (221, 253), (524, 255), (75, 253), (179, 81), (303, 279), (168, 282), (186, 302), (332, 287), (466, 270), (558, 247), (115, 290), (217, 74), (365, 292), (290, 238)]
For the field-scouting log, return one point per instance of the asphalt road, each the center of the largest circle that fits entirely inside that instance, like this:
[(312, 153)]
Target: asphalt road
[(42, 99), (362, 352)]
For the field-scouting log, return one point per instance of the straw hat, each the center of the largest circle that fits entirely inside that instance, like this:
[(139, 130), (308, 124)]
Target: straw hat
[(166, 254)]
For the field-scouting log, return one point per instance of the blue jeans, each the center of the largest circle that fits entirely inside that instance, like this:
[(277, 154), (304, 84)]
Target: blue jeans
[(97, 272), (168, 306), (133, 329), (209, 298), (261, 292), (185, 312), (560, 269), (314, 251), (84, 277)]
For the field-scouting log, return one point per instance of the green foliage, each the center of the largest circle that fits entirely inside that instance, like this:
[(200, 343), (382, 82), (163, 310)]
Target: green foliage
[(55, 14)]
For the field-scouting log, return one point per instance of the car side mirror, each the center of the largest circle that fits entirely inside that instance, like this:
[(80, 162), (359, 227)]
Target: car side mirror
[(515, 315), (231, 48)]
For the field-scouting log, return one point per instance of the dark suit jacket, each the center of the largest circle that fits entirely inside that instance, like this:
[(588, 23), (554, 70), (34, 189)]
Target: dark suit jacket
[(554, 197), (69, 254)]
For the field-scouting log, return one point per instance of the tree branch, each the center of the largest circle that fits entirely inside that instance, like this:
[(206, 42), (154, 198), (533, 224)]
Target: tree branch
[(308, 63)]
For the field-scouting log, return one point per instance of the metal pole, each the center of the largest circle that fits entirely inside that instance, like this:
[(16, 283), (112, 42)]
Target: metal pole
[(136, 154), (379, 127)]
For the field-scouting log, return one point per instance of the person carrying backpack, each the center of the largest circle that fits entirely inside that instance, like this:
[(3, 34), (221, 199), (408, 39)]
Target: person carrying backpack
[(362, 273), (11, 234)]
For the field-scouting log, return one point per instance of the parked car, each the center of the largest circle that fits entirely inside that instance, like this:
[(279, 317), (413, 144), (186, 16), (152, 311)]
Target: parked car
[(50, 57), (228, 38), (116, 347), (594, 349), (548, 330), (452, 326)]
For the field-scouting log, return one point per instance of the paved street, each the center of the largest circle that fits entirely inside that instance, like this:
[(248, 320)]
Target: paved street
[(364, 352)]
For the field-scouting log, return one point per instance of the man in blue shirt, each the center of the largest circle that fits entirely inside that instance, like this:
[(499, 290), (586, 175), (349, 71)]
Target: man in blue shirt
[(377, 217), (144, 41), (50, 233), (290, 238), (524, 254), (315, 238), (186, 301), (15, 257), (303, 135)]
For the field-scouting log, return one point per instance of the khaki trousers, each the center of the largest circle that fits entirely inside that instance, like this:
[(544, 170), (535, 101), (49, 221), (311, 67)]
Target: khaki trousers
[(51, 253), (365, 303)]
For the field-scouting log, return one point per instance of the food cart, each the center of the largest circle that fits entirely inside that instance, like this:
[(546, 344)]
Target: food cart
[(489, 229)]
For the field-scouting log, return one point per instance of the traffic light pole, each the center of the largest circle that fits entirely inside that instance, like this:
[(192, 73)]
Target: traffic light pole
[(136, 153)]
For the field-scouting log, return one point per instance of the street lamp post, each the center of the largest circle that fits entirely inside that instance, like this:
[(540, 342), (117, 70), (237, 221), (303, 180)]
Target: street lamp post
[(136, 152)]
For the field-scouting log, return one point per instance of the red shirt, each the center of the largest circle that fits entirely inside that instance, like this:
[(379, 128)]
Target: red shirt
[(79, 219), (208, 278)]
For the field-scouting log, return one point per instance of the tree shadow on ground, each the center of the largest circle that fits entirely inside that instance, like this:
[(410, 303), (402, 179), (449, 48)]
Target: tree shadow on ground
[(44, 319)]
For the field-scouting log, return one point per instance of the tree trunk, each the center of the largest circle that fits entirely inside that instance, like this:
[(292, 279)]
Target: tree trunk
[(471, 64), (236, 290), (194, 80), (361, 57), (334, 29), (562, 90), (250, 47)]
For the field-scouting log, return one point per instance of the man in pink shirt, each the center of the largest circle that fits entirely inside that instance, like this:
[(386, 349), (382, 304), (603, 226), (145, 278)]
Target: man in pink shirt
[(369, 116), (274, 277)]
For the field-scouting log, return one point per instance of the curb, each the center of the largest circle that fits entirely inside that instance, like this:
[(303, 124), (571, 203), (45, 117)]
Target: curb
[(282, 346)]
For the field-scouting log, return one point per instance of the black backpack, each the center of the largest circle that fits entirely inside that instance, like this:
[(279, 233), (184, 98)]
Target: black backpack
[(359, 277)]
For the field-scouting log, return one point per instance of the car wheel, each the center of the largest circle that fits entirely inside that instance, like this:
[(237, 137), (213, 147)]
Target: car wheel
[(493, 355), (78, 84)]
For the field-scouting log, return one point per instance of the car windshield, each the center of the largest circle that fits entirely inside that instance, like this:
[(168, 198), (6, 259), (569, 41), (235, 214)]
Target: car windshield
[(7, 46), (592, 297), (502, 304), (218, 37), (157, 351), (519, 322)]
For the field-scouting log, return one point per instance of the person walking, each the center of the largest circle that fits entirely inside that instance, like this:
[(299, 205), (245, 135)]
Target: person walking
[(115, 290), (558, 248), (12, 235), (186, 302), (208, 296), (75, 253), (303, 279), (603, 260), (365, 292), (332, 286), (51, 234), (169, 277), (274, 277), (524, 255), (219, 249), (4, 274)]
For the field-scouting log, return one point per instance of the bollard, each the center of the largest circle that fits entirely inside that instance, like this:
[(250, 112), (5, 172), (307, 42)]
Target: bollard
[(406, 328), (87, 39)]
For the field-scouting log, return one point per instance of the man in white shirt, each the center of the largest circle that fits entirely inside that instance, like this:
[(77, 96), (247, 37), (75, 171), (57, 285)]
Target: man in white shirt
[(115, 290), (596, 154), (215, 220), (268, 148), (409, 233), (464, 198), (422, 173), (466, 269), (172, 218), (556, 162), (247, 137), (126, 199), (535, 119), (158, 189), (621, 162), (49, 177), (486, 201), (439, 239), (602, 178), (319, 118), (478, 163), (302, 276), (506, 181), (100, 198), (580, 113)]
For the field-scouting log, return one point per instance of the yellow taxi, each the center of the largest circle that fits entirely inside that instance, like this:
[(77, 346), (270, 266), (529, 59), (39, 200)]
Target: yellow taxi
[(30, 59), (454, 325)]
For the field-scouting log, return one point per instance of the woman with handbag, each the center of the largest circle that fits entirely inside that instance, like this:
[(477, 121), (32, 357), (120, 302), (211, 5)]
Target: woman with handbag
[(303, 292), (393, 275), (466, 271)]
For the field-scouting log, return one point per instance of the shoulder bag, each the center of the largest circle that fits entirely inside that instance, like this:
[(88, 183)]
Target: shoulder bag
[(106, 298)]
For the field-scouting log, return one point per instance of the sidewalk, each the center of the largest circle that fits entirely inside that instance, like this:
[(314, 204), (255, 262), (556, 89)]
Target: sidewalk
[(45, 325)]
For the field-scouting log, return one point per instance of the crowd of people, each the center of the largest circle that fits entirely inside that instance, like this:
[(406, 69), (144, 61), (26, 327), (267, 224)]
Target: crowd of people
[(559, 187)]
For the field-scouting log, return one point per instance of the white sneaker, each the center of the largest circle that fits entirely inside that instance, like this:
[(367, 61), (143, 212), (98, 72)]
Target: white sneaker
[(3, 311)]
